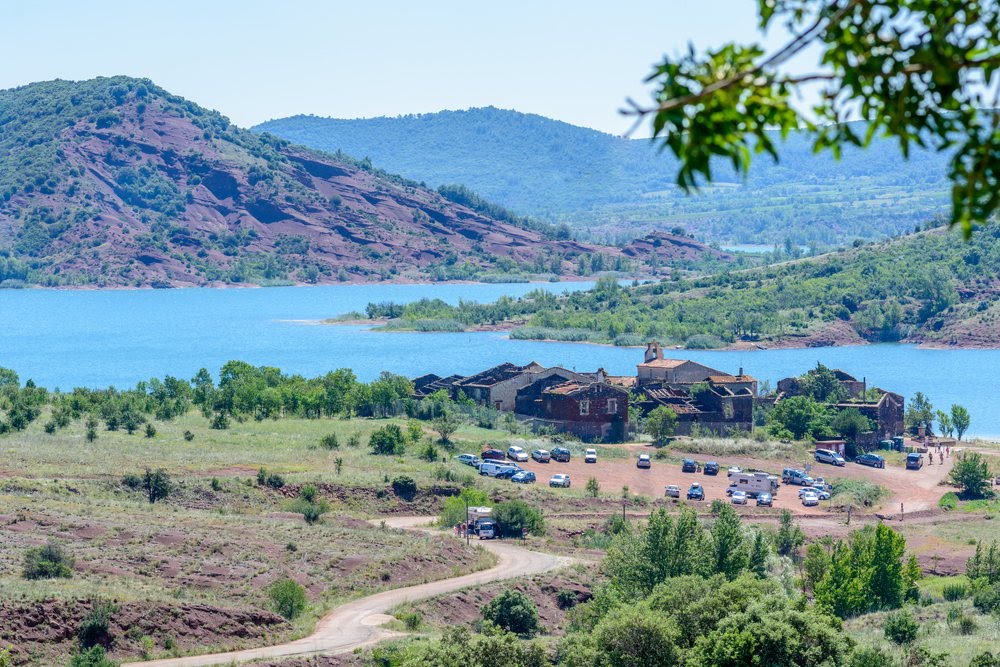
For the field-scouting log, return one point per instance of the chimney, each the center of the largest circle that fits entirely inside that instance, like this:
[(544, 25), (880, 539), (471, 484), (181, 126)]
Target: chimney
[(740, 374)]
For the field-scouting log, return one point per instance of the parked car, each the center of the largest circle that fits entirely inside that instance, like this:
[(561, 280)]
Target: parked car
[(515, 453), (541, 455), (873, 460), (523, 477), (711, 468), (810, 499), (590, 456), (492, 468), (560, 480), (914, 461), (794, 476), (643, 461), (469, 460), (734, 470), (829, 456), (695, 492), (508, 471), (822, 494), (765, 500), (733, 488), (739, 498), (689, 465), (492, 455), (561, 454), (486, 529), (673, 491)]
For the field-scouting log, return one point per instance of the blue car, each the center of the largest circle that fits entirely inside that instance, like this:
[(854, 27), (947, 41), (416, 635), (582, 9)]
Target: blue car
[(524, 477), (873, 460), (508, 472)]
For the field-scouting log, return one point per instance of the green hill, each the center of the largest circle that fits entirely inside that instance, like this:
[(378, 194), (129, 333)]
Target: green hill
[(931, 287), (596, 182)]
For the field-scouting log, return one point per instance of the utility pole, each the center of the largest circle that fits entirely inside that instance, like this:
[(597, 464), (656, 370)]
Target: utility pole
[(466, 522)]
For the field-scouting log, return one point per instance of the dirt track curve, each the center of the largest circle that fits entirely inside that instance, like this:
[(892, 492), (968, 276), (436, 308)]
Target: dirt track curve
[(357, 623)]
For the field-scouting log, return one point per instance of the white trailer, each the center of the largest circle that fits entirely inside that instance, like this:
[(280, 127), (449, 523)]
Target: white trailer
[(753, 483)]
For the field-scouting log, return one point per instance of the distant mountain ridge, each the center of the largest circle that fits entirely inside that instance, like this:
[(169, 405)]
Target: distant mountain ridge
[(115, 182), (598, 181)]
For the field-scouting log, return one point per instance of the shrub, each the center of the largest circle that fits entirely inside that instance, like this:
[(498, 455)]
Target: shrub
[(566, 599), (900, 627), (949, 501), (92, 657), (288, 598), (593, 487), (308, 493), (275, 481), (156, 484), (311, 513), (871, 657), (517, 516), (47, 562), (93, 629), (132, 481), (513, 611), (702, 342), (404, 487), (150, 430), (329, 441), (429, 452), (216, 484), (220, 422), (189, 436), (858, 492), (412, 620), (388, 441), (955, 592), (987, 598)]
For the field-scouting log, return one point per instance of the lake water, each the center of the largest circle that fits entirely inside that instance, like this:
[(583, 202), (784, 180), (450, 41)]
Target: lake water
[(100, 338)]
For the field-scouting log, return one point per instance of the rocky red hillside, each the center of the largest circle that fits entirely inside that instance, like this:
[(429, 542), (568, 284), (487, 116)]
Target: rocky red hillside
[(115, 182)]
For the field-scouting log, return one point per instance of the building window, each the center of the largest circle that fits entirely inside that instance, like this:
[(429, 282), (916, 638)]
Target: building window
[(584, 407), (612, 406)]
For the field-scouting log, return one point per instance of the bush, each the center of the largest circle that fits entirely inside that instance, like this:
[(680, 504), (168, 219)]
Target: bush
[(92, 657), (275, 481), (48, 562), (871, 657), (517, 516), (216, 484), (93, 628), (388, 441), (132, 481), (858, 492), (404, 487), (429, 452), (220, 422), (702, 342), (188, 436), (971, 473), (150, 430), (329, 441), (955, 592), (949, 501), (412, 620), (566, 599), (288, 598), (900, 627), (513, 611), (987, 598), (308, 493)]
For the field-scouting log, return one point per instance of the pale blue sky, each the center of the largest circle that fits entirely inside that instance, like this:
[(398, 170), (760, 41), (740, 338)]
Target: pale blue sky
[(255, 60)]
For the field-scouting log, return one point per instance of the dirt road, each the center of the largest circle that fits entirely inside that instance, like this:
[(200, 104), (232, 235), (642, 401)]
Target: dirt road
[(358, 623)]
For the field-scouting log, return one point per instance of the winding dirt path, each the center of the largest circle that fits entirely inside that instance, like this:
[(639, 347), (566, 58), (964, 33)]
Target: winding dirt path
[(357, 623)]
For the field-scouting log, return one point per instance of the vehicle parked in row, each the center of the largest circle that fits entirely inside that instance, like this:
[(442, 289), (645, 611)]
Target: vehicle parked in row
[(590, 456), (739, 498), (752, 483), (492, 455), (689, 465), (673, 491), (560, 480), (733, 470), (491, 468), (515, 453), (914, 461), (810, 499), (486, 529), (822, 494), (711, 468), (469, 460), (643, 461), (765, 500), (523, 477), (829, 456), (508, 471), (795, 476), (873, 460), (696, 492), (541, 455), (561, 454)]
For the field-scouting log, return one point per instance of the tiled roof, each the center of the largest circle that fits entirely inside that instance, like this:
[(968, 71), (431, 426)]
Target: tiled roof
[(663, 363), (622, 380), (729, 379)]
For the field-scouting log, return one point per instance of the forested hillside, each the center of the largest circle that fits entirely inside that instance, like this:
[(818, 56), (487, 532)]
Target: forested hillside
[(596, 182), (931, 287), (116, 182)]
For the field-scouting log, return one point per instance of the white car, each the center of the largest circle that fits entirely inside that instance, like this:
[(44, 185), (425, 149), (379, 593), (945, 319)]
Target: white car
[(821, 494), (561, 480), (515, 453), (739, 498), (810, 499), (541, 455), (643, 461), (673, 491), (734, 470), (590, 456)]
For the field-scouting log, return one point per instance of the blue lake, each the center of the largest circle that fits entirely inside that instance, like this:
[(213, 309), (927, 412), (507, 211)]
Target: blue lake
[(100, 338)]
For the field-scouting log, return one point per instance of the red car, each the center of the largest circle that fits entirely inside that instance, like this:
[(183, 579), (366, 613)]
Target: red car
[(493, 455)]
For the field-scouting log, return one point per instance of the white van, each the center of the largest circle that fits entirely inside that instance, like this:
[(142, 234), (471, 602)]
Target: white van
[(493, 468)]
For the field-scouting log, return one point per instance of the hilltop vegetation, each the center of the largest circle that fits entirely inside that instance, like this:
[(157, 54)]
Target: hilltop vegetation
[(596, 182), (930, 287), (116, 182)]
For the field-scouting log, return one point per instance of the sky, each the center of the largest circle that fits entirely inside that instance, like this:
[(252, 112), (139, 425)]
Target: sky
[(254, 60)]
